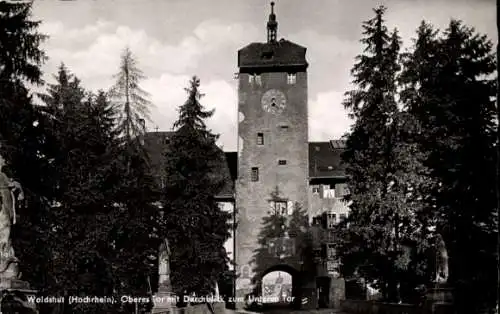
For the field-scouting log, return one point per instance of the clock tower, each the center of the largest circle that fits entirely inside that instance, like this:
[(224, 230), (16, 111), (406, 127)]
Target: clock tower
[(272, 140)]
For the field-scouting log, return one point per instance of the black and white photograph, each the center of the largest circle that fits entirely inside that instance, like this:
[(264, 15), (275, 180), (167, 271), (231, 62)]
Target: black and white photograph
[(249, 156)]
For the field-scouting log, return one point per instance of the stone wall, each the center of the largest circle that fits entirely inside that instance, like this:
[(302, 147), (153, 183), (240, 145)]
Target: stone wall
[(285, 138)]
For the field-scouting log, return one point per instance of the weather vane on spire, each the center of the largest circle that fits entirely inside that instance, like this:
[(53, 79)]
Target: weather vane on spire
[(272, 26)]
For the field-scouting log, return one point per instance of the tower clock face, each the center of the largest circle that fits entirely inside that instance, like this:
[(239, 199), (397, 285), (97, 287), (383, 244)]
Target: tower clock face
[(273, 101)]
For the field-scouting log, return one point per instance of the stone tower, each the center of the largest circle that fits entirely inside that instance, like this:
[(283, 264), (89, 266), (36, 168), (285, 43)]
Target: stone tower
[(272, 139)]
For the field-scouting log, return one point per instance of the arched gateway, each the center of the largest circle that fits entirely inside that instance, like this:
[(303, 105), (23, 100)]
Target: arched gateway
[(272, 156)]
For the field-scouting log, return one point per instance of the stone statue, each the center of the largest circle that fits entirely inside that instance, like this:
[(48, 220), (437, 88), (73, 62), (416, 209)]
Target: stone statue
[(164, 265), (441, 261), (10, 192)]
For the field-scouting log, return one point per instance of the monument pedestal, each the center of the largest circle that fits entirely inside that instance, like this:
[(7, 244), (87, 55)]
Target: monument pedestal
[(439, 300), (337, 292), (15, 295), (164, 302)]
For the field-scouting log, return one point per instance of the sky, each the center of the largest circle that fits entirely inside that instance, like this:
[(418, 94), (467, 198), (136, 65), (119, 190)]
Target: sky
[(173, 40)]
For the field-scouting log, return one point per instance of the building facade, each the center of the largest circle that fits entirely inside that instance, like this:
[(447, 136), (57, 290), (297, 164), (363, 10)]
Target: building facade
[(274, 156), (272, 138)]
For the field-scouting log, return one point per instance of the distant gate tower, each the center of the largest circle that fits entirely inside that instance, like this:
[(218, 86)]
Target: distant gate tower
[(272, 139)]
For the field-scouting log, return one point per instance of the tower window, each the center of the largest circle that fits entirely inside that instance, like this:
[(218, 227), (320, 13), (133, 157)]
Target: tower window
[(328, 191), (291, 78), (258, 80), (284, 127), (331, 220), (317, 221), (255, 79), (280, 208), (342, 217), (260, 138), (331, 251), (282, 162), (255, 174), (315, 189)]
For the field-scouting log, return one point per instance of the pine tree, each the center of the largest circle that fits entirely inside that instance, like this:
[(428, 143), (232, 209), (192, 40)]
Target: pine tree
[(381, 167), (197, 227), (20, 53), (139, 220), (128, 95), (23, 135), (299, 230), (138, 225), (270, 247), (86, 179), (450, 92)]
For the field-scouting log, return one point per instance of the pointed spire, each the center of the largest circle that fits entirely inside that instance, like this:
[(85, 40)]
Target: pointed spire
[(272, 26)]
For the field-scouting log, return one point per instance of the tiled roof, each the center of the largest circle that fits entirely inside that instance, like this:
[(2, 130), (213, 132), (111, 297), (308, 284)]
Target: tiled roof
[(281, 53), (325, 159), (155, 144)]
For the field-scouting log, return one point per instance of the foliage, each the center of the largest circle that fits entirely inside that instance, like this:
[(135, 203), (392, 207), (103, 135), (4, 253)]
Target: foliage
[(22, 133), (283, 240), (83, 180), (384, 170), (101, 208), (196, 226), (450, 92), (269, 251), (20, 54), (127, 94), (138, 227)]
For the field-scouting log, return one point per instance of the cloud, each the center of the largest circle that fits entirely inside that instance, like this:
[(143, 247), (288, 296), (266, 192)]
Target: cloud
[(95, 49), (168, 66), (168, 95), (327, 117), (407, 18)]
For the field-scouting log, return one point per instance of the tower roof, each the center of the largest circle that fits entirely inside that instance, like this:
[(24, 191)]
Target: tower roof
[(282, 53), (274, 52)]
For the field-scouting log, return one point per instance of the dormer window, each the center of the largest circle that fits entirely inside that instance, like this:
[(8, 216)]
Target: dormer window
[(267, 54), (291, 78)]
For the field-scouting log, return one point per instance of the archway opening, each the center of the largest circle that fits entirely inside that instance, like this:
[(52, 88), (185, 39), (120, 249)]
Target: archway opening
[(278, 287)]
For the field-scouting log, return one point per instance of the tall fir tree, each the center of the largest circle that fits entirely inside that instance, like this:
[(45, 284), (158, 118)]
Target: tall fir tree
[(20, 53), (381, 167), (128, 95), (23, 135), (197, 227), (85, 183), (138, 225), (450, 92)]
